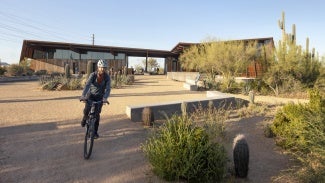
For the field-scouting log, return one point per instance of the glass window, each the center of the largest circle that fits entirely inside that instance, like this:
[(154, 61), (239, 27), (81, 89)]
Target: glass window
[(65, 54), (74, 55), (120, 56), (38, 54), (58, 54), (69, 54), (85, 56), (97, 55), (108, 56), (51, 54)]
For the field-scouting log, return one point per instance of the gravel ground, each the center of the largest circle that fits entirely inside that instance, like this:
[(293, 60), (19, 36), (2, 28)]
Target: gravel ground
[(41, 139)]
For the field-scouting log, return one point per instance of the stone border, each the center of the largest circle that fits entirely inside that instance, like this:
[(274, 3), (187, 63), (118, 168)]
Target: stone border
[(163, 110)]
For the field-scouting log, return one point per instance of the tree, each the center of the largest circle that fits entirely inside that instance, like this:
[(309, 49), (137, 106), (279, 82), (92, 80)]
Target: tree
[(219, 57), (139, 68), (152, 63)]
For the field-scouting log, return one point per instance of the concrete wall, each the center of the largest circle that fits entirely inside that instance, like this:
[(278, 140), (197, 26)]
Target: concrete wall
[(161, 110), (182, 76)]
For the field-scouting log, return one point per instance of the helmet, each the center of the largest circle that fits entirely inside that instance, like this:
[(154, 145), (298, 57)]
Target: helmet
[(102, 63)]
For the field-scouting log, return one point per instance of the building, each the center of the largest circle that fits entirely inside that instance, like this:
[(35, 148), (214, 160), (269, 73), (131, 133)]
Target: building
[(255, 68), (53, 56)]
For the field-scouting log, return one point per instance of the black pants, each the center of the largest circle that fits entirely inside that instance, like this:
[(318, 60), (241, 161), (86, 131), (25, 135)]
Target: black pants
[(87, 110)]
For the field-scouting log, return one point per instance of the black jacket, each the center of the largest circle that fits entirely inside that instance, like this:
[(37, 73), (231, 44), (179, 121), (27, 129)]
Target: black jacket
[(95, 90)]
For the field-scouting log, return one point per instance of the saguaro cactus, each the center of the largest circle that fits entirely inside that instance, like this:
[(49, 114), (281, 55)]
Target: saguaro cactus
[(241, 156), (307, 46), (313, 53), (282, 26), (293, 36), (67, 70), (89, 68), (147, 116)]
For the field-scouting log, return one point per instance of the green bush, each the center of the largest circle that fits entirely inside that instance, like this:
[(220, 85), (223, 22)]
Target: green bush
[(290, 124), (300, 129), (181, 150)]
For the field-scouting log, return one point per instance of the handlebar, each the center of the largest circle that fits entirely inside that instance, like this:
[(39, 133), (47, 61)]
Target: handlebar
[(93, 101)]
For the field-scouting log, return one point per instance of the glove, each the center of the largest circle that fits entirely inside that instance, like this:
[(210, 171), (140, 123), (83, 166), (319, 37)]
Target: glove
[(105, 101), (82, 98)]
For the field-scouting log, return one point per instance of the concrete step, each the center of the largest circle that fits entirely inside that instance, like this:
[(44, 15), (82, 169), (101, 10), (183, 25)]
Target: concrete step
[(190, 87)]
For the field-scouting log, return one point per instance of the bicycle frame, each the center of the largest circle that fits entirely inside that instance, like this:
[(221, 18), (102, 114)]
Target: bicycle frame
[(90, 127)]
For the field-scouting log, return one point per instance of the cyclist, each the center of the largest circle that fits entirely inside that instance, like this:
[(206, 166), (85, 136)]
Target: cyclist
[(97, 88)]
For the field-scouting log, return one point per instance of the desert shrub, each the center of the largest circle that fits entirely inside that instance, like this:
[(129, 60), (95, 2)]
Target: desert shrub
[(301, 130), (117, 80), (73, 84), (28, 71), (212, 119), (113, 83), (320, 82), (21, 69), (15, 70), (129, 79), (48, 82), (249, 85), (179, 149), (268, 131), (316, 101), (2, 71), (256, 109), (231, 87), (40, 72)]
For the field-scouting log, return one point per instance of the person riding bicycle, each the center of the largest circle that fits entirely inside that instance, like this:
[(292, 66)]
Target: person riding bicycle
[(97, 88)]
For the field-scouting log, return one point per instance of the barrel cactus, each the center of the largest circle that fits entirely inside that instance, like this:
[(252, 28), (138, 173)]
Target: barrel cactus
[(241, 156), (147, 116)]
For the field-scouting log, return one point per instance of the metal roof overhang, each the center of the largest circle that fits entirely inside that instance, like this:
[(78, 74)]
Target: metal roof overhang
[(29, 45)]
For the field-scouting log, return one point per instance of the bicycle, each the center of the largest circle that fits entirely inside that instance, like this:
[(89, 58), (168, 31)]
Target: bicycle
[(90, 126)]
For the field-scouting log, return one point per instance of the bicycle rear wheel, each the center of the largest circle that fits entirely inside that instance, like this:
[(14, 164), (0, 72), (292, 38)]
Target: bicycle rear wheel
[(89, 139)]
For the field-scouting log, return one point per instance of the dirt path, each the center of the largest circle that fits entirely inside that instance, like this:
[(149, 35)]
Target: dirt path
[(41, 139)]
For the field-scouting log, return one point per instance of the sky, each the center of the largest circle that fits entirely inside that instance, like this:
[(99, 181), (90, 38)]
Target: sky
[(155, 24)]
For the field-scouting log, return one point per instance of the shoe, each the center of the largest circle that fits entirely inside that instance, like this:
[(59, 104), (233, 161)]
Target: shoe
[(83, 122), (96, 136)]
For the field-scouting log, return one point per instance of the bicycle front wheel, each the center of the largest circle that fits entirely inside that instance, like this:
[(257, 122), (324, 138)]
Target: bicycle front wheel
[(89, 139)]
